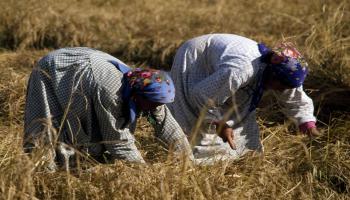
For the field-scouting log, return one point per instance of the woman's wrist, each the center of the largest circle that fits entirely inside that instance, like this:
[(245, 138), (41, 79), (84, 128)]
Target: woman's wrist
[(304, 127)]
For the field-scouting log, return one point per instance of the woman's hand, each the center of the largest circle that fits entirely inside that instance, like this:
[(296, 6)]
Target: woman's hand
[(226, 133), (310, 129), (313, 132)]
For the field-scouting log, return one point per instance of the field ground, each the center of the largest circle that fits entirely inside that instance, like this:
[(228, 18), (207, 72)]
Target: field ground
[(147, 32)]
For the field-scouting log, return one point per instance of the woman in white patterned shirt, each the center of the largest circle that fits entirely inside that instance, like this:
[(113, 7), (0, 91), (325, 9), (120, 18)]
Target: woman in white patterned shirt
[(222, 78), (84, 99)]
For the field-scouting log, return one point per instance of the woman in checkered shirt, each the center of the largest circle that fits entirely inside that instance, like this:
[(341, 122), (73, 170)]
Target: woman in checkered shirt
[(81, 99), (219, 80)]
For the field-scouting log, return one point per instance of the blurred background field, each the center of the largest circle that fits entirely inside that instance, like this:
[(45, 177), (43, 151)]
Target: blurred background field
[(147, 32)]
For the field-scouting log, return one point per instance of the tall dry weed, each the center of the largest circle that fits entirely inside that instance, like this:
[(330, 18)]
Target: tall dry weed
[(150, 31)]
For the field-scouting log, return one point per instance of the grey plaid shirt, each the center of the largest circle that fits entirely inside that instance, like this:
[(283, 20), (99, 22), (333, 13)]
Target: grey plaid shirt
[(76, 93)]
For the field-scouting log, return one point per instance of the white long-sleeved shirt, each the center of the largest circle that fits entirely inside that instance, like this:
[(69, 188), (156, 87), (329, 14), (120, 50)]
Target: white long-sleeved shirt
[(220, 71)]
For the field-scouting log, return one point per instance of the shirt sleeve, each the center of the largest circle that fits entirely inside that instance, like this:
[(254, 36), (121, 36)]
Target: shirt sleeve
[(233, 71), (168, 131), (218, 87), (297, 105), (108, 105)]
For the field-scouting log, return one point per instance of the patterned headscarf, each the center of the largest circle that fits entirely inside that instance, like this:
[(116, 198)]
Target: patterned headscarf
[(153, 85), (285, 63)]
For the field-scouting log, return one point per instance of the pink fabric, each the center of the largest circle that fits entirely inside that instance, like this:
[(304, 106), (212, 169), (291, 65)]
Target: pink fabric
[(306, 126)]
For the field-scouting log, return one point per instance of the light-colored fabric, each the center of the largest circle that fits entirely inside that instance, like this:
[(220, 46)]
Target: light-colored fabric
[(296, 105), (220, 71), (78, 92)]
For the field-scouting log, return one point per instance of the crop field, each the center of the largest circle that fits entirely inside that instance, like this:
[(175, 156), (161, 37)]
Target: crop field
[(147, 33)]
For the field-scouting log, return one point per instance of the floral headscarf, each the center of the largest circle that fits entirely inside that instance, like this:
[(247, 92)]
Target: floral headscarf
[(154, 85), (285, 63)]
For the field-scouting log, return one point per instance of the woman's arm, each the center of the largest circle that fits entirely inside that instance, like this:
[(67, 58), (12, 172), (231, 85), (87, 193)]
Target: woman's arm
[(298, 106), (113, 122), (168, 131)]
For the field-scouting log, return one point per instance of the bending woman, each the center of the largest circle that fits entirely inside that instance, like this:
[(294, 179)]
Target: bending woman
[(223, 77), (86, 100)]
